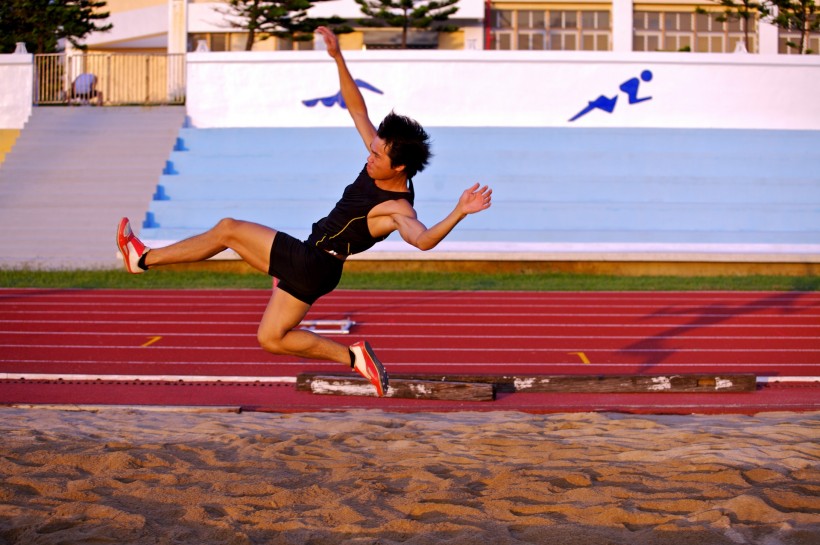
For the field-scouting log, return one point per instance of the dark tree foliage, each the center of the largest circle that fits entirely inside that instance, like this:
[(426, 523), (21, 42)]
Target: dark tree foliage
[(739, 10), (407, 14), (798, 15), (281, 18), (41, 24), (794, 15)]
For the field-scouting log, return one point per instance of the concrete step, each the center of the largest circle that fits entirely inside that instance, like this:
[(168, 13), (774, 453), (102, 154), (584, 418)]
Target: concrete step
[(582, 215), (75, 172), (493, 165), (61, 171), (552, 188), (230, 141), (556, 237)]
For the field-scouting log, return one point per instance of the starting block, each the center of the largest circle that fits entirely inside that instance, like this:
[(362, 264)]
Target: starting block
[(331, 327)]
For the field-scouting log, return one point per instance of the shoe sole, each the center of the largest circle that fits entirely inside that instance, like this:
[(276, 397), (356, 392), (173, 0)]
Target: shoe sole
[(379, 367)]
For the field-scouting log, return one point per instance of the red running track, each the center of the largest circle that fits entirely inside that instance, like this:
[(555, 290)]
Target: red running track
[(199, 347)]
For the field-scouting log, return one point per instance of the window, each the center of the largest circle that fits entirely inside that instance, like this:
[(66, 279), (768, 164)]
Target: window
[(504, 18), (218, 41), (236, 41), (560, 30), (532, 32), (689, 31), (286, 44), (785, 37)]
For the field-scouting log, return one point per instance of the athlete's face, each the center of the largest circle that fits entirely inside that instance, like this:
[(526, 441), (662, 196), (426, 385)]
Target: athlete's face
[(379, 166)]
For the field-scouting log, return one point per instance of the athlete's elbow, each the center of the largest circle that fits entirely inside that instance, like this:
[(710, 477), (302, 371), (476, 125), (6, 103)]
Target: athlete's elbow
[(425, 245), (423, 239)]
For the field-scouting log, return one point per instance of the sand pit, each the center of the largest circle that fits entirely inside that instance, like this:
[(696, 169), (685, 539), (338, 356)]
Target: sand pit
[(365, 477)]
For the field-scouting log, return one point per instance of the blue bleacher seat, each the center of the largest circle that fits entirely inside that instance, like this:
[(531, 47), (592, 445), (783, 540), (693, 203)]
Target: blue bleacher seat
[(550, 185)]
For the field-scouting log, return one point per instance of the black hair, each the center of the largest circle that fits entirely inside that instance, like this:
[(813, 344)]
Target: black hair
[(407, 143)]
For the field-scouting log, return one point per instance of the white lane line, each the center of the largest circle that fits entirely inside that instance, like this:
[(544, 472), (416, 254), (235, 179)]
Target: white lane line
[(363, 315), (480, 304), (412, 325), (620, 350), (251, 379), (133, 333), (438, 366), (143, 378)]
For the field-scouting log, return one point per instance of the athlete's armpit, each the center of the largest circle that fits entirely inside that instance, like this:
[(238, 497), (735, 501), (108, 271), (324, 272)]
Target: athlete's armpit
[(390, 216)]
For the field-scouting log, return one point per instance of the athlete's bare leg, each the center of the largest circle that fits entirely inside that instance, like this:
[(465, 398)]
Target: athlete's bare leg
[(250, 240), (277, 332)]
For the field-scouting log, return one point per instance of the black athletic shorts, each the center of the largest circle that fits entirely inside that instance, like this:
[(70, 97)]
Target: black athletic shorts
[(304, 271)]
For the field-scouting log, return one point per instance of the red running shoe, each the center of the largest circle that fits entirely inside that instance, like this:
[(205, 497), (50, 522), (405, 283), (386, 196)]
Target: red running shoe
[(369, 366), (130, 247)]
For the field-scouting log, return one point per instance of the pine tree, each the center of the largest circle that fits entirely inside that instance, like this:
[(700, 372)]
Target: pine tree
[(740, 10), (281, 18), (407, 14), (800, 15), (41, 24)]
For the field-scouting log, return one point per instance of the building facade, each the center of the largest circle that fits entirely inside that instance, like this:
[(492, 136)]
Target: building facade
[(177, 26)]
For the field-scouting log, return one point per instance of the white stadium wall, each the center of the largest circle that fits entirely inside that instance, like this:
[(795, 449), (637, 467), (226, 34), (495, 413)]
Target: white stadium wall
[(510, 88), (486, 88), (16, 75)]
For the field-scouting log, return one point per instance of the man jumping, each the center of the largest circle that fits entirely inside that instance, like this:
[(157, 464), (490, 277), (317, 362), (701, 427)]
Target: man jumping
[(379, 202)]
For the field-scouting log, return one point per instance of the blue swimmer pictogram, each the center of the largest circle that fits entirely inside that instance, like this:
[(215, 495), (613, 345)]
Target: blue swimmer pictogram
[(337, 98), (607, 104)]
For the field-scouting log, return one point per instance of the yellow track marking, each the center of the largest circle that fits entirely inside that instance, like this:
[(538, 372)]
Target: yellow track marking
[(151, 341), (580, 355)]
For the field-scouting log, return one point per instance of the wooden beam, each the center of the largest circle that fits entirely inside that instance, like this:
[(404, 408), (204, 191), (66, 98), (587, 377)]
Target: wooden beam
[(672, 383), (635, 384), (399, 388)]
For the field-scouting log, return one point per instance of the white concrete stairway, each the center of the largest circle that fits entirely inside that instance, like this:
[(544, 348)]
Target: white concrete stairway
[(71, 175)]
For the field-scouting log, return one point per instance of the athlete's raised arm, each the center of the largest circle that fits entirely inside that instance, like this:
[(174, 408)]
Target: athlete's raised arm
[(350, 91)]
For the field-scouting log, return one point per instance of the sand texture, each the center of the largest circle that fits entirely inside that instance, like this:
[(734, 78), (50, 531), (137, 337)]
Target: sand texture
[(364, 477)]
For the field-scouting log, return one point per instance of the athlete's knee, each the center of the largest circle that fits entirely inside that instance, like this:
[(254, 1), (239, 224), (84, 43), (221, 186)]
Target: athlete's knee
[(225, 229), (226, 225), (270, 342)]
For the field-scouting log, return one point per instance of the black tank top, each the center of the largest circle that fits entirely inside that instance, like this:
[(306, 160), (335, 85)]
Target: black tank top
[(344, 231)]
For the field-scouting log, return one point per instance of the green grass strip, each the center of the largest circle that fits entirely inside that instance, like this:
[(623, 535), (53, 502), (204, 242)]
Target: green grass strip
[(118, 279)]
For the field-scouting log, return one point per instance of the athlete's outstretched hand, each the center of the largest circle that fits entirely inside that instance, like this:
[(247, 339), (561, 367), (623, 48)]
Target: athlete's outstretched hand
[(331, 41), (475, 199)]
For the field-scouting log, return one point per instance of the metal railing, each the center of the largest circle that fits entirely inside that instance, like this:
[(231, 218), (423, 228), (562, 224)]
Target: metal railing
[(121, 78)]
